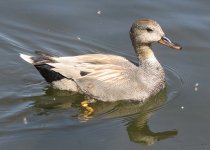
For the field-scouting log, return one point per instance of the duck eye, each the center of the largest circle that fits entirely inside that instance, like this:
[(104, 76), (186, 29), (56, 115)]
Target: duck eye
[(149, 29)]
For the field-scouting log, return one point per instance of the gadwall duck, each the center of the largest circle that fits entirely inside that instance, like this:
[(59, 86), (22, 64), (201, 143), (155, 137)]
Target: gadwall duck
[(109, 77)]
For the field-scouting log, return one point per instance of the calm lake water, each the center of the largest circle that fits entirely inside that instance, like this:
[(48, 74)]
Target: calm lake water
[(35, 116)]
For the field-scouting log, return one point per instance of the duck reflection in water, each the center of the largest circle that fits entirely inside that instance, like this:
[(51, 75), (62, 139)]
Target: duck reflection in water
[(136, 114)]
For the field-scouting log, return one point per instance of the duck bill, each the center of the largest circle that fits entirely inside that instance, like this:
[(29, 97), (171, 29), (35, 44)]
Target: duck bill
[(166, 41)]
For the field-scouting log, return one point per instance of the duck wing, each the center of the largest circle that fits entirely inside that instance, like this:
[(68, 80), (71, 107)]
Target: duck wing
[(79, 66), (106, 77)]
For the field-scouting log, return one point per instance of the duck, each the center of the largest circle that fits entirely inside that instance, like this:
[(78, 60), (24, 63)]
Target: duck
[(108, 77)]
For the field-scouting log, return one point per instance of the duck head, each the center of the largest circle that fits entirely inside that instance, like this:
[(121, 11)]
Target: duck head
[(147, 31)]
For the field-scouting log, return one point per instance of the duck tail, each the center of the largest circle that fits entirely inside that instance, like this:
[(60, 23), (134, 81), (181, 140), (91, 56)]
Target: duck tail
[(27, 58), (39, 58), (42, 62)]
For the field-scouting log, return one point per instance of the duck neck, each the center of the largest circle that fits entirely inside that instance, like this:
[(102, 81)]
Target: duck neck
[(145, 55), (149, 66)]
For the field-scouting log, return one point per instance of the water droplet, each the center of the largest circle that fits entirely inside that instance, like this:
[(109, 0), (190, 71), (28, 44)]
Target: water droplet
[(25, 121), (196, 89), (98, 12), (78, 38)]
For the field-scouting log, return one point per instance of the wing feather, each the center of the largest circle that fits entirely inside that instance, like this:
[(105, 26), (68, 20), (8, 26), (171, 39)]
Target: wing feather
[(105, 75)]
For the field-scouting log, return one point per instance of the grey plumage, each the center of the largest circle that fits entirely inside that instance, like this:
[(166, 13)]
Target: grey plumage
[(108, 77)]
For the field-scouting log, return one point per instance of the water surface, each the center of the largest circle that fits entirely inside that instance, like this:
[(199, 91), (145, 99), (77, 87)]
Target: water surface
[(35, 116)]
